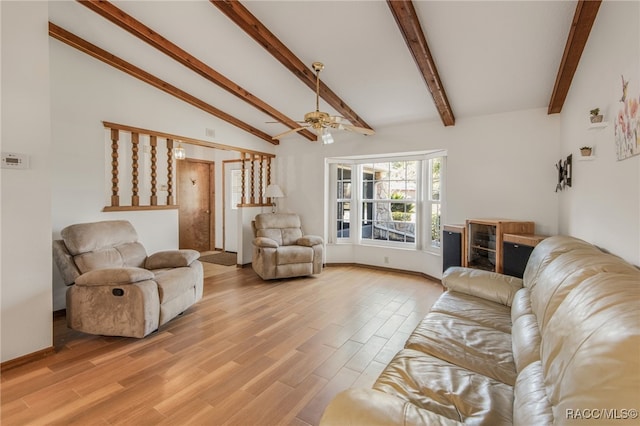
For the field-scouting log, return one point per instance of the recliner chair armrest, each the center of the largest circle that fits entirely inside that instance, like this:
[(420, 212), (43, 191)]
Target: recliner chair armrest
[(487, 285), (265, 242), (171, 259), (309, 240), (114, 276)]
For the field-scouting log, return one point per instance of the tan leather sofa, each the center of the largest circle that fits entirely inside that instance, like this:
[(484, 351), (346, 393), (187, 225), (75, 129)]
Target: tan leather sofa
[(560, 346), (280, 250), (115, 288)]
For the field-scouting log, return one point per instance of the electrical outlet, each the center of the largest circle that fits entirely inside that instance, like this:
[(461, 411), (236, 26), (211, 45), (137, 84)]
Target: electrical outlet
[(210, 132), (386, 259)]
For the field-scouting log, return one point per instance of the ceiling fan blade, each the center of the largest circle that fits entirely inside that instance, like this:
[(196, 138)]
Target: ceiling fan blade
[(287, 132), (356, 129)]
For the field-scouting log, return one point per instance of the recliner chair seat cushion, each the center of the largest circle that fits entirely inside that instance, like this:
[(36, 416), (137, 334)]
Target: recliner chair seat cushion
[(294, 254)]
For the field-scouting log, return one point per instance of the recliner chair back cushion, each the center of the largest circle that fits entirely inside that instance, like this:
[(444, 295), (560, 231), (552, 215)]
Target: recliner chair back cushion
[(284, 228), (108, 244)]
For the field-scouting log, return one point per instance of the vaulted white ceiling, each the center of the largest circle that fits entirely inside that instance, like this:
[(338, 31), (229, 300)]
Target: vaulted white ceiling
[(492, 56)]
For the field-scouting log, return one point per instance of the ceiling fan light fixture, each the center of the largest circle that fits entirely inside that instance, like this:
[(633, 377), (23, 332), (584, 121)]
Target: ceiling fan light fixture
[(326, 136)]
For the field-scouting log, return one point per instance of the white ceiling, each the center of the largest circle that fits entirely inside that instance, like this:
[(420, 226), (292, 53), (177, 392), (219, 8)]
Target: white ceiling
[(492, 56)]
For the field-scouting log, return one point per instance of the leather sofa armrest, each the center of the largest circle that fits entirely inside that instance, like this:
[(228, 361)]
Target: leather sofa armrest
[(369, 407), (114, 276), (171, 259), (487, 285), (265, 242), (309, 240)]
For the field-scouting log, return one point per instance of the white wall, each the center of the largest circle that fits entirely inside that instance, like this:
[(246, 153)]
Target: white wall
[(85, 92), (497, 166), (26, 319), (603, 205)]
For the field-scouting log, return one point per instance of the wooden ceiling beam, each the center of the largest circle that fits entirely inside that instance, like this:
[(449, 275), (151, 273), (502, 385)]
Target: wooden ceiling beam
[(116, 62), (127, 22), (407, 19), (583, 19), (235, 11)]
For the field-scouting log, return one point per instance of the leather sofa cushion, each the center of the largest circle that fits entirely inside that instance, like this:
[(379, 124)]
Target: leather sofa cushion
[(521, 304), (566, 272), (526, 339), (484, 312), (591, 346), (487, 285), (467, 344), (174, 282), (547, 250), (294, 254), (530, 403), (447, 389), (374, 408)]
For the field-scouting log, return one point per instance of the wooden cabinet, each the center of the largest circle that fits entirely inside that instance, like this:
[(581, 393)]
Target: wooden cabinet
[(453, 246), (485, 238), (516, 251)]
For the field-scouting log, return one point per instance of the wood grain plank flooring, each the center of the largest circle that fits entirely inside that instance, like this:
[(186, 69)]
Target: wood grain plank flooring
[(250, 353)]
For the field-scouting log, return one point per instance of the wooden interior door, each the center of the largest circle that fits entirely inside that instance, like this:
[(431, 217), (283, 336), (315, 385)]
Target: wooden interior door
[(196, 204)]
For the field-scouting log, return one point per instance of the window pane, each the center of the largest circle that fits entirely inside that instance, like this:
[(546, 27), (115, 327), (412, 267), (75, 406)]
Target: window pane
[(436, 164), (343, 217), (435, 225), (344, 190)]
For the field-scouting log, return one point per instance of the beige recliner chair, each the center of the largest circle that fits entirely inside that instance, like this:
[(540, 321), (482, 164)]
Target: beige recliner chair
[(280, 250), (115, 288)]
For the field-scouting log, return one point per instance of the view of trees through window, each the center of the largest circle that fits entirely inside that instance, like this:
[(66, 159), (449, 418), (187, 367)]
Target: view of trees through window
[(389, 199)]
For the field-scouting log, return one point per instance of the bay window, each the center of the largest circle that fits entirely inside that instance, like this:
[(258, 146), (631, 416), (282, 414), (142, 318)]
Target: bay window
[(392, 201)]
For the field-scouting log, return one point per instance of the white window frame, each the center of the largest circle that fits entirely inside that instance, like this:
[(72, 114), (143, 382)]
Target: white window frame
[(423, 201)]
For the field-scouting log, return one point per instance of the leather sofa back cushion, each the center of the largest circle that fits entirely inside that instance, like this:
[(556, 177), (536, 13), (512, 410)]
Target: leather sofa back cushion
[(566, 272), (546, 251), (125, 255), (88, 237), (591, 346)]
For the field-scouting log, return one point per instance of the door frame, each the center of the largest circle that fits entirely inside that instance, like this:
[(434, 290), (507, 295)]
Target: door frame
[(224, 199), (212, 198)]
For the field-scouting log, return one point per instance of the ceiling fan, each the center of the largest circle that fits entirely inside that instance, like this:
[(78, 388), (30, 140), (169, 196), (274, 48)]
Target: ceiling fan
[(321, 121)]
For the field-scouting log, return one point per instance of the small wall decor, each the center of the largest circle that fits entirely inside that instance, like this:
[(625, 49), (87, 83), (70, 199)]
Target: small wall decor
[(627, 123), (585, 151), (564, 173), (595, 116)]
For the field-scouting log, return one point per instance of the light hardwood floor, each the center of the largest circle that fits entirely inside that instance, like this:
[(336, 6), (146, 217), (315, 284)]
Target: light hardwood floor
[(250, 353)]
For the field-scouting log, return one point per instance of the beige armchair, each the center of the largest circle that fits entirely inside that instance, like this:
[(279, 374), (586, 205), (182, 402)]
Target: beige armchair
[(280, 250), (115, 288)]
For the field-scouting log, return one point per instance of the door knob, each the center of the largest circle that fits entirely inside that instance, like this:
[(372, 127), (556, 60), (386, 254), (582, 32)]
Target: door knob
[(207, 211)]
